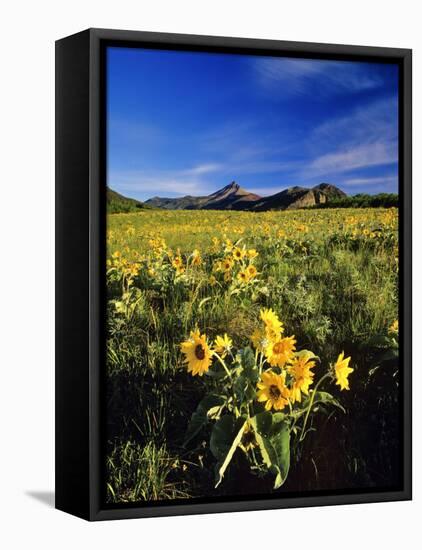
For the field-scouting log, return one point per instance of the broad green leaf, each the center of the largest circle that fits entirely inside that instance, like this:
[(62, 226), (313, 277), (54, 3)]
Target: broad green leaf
[(247, 358), (247, 375), (262, 422), (240, 387), (216, 371), (280, 440), (207, 408), (230, 453), (268, 453), (272, 433), (325, 397), (222, 436)]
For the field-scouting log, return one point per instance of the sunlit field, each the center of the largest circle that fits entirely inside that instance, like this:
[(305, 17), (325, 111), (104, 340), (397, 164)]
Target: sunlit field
[(178, 280)]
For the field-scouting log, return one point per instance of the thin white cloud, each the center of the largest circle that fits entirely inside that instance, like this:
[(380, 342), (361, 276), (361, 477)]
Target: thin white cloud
[(313, 76), (365, 138), (376, 180), (147, 183), (197, 180), (350, 158), (366, 123), (202, 169)]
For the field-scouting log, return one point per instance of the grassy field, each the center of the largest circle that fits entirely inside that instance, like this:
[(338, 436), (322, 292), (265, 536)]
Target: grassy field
[(332, 278)]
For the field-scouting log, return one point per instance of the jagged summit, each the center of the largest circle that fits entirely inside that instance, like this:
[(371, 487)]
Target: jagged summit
[(226, 197), (234, 197)]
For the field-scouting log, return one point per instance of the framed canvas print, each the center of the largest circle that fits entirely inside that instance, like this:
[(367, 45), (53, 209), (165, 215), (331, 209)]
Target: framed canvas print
[(233, 274)]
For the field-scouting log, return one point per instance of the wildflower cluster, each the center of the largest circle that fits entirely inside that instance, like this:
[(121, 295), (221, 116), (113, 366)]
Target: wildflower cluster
[(237, 264), (263, 394)]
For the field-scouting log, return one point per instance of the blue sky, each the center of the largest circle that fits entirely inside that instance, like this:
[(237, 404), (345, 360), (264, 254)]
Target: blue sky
[(189, 123)]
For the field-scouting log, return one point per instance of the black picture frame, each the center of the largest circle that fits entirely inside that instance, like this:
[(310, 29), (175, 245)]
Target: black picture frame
[(80, 265)]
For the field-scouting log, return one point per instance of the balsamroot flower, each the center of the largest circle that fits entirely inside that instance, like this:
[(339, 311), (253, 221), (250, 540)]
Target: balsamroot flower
[(238, 254), (273, 325), (251, 271), (197, 353), (223, 345), (301, 373), (280, 352), (394, 327), (273, 390), (342, 371)]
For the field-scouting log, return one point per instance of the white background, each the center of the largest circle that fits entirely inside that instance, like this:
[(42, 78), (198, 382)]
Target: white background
[(28, 32)]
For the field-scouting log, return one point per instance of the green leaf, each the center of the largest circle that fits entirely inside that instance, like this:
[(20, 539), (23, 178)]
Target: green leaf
[(247, 359), (222, 436), (280, 440), (216, 371), (240, 386), (247, 375), (268, 453), (325, 397), (207, 408), (225, 438), (262, 422), (272, 434), (231, 450)]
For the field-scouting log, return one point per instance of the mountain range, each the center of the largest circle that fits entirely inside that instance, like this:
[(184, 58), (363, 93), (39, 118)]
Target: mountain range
[(234, 197)]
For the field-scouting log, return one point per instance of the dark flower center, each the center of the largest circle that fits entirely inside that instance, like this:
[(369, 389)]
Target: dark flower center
[(278, 347), (200, 352), (274, 392)]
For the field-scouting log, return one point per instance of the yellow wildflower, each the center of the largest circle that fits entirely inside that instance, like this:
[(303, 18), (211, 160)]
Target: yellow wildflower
[(259, 339), (238, 253), (251, 271), (342, 371), (252, 253), (226, 264), (196, 257), (273, 390), (243, 276), (273, 325), (280, 352), (223, 344), (197, 353), (177, 262), (300, 370), (228, 246)]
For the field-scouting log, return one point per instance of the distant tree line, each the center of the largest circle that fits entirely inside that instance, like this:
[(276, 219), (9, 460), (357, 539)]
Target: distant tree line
[(362, 200)]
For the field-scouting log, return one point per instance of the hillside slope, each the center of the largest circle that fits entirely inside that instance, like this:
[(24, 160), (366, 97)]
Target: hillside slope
[(118, 203)]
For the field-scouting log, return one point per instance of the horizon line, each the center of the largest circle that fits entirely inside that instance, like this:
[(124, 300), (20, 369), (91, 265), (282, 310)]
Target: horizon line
[(250, 192)]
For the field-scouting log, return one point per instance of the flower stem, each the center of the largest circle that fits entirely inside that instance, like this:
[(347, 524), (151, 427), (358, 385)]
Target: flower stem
[(223, 363), (311, 402)]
